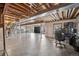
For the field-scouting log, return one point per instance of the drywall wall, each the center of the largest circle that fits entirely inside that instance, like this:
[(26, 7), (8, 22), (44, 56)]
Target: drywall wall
[(1, 39), (49, 27)]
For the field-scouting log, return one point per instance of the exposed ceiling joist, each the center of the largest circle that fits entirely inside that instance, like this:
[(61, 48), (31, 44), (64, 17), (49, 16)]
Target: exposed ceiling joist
[(65, 12), (30, 8), (73, 9), (77, 14), (68, 13), (53, 18), (14, 13), (18, 12), (63, 17), (74, 12), (20, 5), (25, 10), (57, 12)]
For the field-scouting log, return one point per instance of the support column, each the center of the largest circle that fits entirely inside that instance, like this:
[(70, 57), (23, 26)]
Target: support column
[(20, 28), (4, 44)]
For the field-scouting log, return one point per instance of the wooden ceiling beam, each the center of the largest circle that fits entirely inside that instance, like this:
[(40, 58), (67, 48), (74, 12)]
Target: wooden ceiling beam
[(18, 9), (14, 13), (51, 4), (25, 9), (73, 14), (35, 8), (21, 6), (45, 5), (67, 13), (41, 7), (58, 14), (77, 13), (73, 9), (21, 13), (52, 17), (34, 5), (28, 6), (30, 9), (63, 15)]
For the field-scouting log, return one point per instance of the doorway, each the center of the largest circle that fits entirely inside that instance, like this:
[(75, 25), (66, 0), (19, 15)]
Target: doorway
[(37, 29)]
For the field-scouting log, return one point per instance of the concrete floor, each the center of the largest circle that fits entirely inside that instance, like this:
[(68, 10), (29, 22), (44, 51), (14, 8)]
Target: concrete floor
[(30, 44)]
